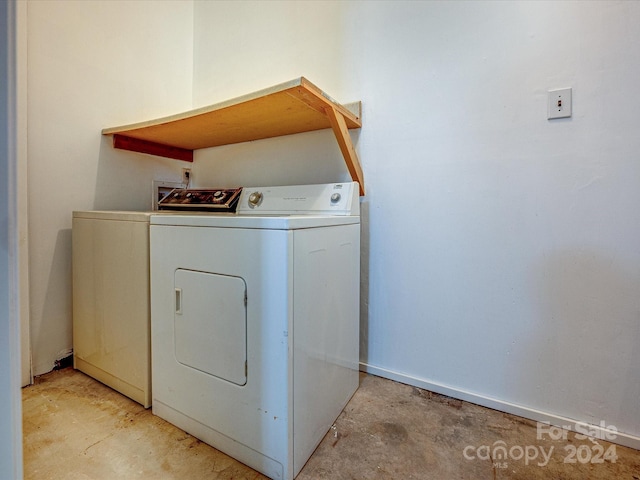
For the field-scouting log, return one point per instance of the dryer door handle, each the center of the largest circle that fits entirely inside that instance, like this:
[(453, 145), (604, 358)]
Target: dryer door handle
[(178, 301)]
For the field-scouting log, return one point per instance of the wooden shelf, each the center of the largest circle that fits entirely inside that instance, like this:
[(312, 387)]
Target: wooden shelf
[(293, 107)]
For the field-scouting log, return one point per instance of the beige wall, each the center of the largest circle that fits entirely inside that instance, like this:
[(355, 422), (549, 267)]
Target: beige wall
[(92, 65)]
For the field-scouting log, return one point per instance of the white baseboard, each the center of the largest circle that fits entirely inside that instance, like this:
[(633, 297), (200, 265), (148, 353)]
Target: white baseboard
[(621, 438)]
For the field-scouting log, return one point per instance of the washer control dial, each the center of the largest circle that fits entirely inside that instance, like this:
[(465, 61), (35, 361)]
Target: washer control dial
[(255, 199), (335, 198)]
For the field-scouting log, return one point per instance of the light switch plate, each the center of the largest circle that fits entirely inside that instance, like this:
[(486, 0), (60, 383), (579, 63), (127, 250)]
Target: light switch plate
[(559, 103)]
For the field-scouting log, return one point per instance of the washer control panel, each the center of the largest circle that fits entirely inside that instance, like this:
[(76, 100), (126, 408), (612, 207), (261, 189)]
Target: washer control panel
[(324, 199), (219, 200)]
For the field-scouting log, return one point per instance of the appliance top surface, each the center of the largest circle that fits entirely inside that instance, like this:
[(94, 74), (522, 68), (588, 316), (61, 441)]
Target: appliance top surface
[(122, 215), (271, 222), (276, 207)]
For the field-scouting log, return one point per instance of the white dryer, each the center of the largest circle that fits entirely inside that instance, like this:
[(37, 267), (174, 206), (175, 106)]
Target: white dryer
[(255, 321)]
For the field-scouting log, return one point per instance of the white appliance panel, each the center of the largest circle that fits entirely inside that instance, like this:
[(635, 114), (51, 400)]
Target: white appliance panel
[(111, 318), (326, 331), (251, 422), (210, 324)]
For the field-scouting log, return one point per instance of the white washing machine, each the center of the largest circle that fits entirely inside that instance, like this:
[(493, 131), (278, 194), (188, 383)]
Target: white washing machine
[(255, 320), (111, 319)]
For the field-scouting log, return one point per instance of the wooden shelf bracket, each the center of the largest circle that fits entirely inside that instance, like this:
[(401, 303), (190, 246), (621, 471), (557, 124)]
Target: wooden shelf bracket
[(340, 130)]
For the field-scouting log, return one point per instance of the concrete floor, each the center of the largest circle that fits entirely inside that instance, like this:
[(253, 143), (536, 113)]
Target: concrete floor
[(76, 428)]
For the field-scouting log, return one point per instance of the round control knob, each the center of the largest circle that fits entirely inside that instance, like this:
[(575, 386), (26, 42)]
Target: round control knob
[(218, 194), (335, 198), (255, 199)]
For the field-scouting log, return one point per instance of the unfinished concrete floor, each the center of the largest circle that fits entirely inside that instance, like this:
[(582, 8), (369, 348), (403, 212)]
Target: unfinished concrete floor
[(76, 428)]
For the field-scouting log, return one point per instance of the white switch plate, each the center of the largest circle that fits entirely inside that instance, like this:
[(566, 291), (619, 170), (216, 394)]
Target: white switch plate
[(559, 103)]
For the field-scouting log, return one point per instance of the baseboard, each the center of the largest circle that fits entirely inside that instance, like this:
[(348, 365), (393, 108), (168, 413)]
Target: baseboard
[(621, 438)]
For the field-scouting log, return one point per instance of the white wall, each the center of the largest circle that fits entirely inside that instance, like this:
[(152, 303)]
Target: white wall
[(501, 249), (10, 401), (93, 65), (240, 47)]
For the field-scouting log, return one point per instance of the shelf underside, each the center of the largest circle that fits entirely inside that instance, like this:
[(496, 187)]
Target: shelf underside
[(293, 107)]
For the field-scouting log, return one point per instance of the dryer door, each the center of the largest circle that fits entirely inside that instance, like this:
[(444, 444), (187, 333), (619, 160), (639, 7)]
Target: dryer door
[(210, 324)]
